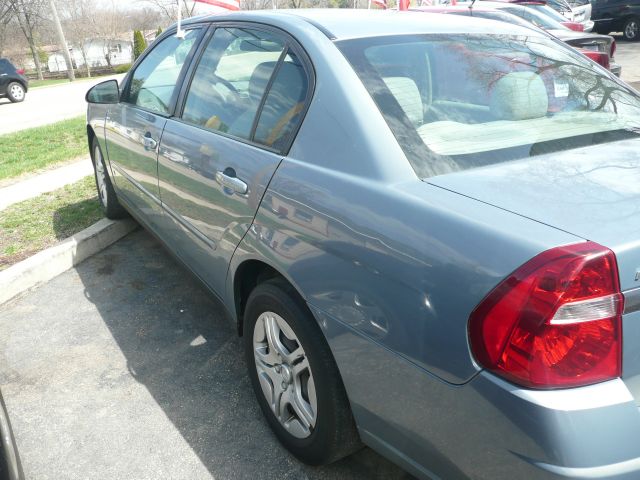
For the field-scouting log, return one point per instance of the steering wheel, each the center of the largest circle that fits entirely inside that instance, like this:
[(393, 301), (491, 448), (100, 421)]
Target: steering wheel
[(226, 83)]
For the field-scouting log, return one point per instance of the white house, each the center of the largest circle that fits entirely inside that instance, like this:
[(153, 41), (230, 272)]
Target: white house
[(119, 52)]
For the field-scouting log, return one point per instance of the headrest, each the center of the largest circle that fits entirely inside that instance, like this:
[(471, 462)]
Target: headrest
[(406, 93), (519, 96), (259, 79)]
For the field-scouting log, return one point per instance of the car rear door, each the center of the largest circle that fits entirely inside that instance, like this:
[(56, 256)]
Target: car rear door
[(241, 109), (5, 70), (134, 126)]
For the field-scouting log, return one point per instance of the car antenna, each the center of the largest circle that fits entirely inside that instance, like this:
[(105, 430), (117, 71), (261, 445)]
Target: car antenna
[(471, 5)]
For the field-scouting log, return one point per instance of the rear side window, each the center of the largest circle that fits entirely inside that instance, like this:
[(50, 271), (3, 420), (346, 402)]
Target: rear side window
[(153, 84), (5, 66), (231, 80), (284, 104)]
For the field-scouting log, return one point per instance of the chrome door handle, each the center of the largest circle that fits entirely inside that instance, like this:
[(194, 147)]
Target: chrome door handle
[(232, 183), (149, 143)]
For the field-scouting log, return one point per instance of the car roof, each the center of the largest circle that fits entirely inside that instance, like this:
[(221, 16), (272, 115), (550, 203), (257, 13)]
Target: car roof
[(339, 24)]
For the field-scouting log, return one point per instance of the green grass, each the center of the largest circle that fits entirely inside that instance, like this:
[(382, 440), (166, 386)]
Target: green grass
[(33, 225), (46, 83), (41, 147), (57, 81)]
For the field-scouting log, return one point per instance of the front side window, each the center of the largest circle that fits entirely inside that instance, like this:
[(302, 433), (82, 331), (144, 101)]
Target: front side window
[(231, 80), (462, 101), (153, 84)]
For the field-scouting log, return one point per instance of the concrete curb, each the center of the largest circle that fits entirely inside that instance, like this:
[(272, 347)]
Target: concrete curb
[(45, 265)]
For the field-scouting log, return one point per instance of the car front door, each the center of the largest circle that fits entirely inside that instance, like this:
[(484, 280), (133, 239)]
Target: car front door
[(241, 110), (134, 126)]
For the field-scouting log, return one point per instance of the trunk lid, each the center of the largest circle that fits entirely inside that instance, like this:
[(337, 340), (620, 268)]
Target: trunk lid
[(586, 41), (591, 192)]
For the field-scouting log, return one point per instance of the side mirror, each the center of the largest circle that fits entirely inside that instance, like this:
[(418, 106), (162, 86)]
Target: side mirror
[(105, 92)]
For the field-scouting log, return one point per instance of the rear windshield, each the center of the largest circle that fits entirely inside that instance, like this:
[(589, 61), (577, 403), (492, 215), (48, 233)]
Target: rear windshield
[(539, 19), (456, 102)]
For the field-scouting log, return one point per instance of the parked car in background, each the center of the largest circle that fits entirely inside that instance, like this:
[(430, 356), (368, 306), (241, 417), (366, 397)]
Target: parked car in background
[(425, 228), (599, 48), (579, 13), (13, 83), (617, 16), (10, 466)]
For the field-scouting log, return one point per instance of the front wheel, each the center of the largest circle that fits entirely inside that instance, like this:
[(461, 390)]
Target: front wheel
[(295, 378), (111, 207), (631, 29), (15, 92)]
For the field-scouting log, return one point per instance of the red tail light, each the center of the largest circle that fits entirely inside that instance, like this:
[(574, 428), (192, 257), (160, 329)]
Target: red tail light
[(555, 322), (575, 26), (612, 52), (20, 71), (601, 58)]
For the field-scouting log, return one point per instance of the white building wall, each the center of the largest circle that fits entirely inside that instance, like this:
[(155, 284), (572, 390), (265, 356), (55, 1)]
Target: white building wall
[(120, 52)]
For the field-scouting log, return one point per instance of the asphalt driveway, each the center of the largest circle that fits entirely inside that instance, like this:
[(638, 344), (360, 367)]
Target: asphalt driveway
[(124, 368)]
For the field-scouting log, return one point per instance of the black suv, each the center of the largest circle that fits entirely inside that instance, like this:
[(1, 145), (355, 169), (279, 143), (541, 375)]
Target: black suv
[(13, 84), (617, 16)]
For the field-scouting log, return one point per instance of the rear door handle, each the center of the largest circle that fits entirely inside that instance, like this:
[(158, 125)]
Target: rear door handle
[(230, 181)]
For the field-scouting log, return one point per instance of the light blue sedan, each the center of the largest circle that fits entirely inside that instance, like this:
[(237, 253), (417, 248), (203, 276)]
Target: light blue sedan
[(425, 227)]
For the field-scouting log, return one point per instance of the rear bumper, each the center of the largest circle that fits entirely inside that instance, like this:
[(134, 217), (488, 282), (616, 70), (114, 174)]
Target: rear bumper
[(583, 433), (487, 428)]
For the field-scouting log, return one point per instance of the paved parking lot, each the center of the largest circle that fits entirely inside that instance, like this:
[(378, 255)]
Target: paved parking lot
[(124, 368), (628, 55)]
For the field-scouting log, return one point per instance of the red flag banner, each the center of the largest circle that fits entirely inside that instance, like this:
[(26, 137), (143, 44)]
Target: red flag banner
[(228, 4), (404, 4)]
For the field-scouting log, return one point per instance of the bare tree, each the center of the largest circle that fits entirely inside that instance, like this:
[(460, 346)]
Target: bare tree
[(28, 14), (169, 8), (77, 15), (6, 15), (106, 25)]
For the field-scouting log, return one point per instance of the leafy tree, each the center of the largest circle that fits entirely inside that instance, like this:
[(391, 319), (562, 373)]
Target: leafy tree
[(139, 44), (158, 32)]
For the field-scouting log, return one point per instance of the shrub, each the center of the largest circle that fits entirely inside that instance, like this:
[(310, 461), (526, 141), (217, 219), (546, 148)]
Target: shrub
[(139, 44), (122, 68)]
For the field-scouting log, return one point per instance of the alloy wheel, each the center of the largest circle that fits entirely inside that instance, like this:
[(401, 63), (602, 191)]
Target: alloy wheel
[(17, 92), (631, 30), (285, 374)]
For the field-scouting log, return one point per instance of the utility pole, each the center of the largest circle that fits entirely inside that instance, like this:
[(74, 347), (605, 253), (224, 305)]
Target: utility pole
[(63, 42)]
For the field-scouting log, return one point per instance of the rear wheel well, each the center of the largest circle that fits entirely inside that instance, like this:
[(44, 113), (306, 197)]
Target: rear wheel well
[(248, 276)]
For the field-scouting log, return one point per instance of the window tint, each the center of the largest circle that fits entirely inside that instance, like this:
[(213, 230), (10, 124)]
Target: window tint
[(154, 81), (284, 104), (231, 80)]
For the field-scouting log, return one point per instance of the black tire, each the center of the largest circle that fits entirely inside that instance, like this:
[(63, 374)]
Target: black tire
[(16, 92), (334, 435), (111, 207), (631, 29)]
